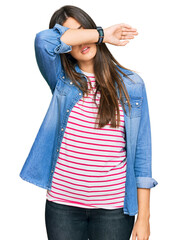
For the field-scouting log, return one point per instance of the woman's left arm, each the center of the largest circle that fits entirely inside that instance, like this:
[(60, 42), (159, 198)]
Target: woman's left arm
[(141, 229), (143, 171)]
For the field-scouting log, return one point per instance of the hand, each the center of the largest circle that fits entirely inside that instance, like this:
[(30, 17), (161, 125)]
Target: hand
[(118, 32), (141, 230)]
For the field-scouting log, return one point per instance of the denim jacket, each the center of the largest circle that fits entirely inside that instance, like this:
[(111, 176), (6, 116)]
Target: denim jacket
[(39, 166)]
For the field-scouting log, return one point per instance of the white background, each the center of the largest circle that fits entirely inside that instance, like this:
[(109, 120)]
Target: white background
[(25, 97)]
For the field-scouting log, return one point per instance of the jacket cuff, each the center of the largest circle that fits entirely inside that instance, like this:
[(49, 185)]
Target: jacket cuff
[(145, 182), (61, 47)]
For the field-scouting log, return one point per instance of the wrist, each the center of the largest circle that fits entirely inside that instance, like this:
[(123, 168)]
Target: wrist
[(101, 35), (105, 35), (143, 216)]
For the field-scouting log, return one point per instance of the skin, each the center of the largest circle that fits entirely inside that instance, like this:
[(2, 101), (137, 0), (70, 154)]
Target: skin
[(141, 229), (85, 61), (118, 35), (112, 35)]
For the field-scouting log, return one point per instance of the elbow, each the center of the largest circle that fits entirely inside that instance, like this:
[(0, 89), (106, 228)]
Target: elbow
[(39, 40)]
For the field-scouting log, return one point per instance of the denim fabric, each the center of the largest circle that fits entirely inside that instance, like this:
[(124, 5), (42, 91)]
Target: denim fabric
[(40, 164), (65, 222)]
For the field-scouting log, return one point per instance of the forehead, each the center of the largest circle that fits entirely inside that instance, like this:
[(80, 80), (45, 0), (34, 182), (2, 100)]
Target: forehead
[(72, 23)]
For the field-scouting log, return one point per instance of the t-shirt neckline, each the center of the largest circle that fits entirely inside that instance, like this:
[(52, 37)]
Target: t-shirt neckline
[(88, 74)]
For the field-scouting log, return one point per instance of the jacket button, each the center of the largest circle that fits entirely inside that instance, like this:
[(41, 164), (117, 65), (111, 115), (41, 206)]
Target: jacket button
[(52, 171), (67, 110), (136, 103), (62, 129), (71, 82), (80, 93), (57, 150), (63, 77)]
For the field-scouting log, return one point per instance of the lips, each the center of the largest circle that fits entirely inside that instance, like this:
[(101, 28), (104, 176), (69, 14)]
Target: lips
[(84, 48)]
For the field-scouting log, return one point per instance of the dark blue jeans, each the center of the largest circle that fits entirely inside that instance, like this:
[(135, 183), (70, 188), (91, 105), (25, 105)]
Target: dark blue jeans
[(73, 223)]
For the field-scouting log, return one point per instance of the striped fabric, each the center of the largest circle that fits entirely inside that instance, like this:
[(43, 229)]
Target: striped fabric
[(91, 166)]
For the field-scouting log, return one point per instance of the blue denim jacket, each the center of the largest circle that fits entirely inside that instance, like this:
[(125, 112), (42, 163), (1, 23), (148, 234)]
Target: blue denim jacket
[(40, 164)]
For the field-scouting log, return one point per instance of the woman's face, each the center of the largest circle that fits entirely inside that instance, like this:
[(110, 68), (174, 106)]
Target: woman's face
[(81, 57)]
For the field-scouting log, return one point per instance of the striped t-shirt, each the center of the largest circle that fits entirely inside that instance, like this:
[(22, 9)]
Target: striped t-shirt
[(91, 167)]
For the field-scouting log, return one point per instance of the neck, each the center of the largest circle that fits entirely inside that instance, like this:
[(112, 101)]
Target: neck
[(88, 67)]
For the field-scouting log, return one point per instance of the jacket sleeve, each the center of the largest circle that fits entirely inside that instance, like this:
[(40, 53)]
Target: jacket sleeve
[(143, 155), (48, 47)]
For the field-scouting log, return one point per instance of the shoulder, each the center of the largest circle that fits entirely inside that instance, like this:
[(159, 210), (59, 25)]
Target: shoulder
[(135, 77), (134, 83)]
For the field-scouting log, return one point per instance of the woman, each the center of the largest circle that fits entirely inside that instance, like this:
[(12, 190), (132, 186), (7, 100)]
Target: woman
[(93, 150)]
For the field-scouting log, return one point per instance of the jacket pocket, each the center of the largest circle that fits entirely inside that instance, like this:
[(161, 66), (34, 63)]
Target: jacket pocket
[(62, 87), (136, 106)]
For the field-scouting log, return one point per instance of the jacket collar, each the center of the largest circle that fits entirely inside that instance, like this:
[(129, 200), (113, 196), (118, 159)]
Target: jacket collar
[(128, 72)]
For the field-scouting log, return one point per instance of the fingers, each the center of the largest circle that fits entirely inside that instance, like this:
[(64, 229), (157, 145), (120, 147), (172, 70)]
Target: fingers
[(128, 33), (126, 37), (125, 25), (129, 29)]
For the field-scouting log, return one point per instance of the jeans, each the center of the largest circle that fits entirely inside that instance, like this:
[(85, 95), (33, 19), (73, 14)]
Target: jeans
[(65, 222)]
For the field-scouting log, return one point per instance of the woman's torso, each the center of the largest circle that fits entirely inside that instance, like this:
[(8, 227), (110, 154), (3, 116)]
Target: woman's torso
[(91, 166)]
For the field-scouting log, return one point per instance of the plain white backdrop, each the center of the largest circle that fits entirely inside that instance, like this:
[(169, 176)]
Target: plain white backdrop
[(25, 97)]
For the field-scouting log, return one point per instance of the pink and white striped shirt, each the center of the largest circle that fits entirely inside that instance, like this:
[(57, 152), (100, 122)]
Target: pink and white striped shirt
[(91, 168)]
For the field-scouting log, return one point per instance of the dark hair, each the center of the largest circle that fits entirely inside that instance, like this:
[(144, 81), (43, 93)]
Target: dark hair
[(104, 69)]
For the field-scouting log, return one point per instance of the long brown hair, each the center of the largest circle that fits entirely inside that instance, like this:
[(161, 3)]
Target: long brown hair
[(104, 70)]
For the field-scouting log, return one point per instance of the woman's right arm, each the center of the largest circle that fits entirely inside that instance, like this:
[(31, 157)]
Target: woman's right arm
[(49, 46), (50, 43)]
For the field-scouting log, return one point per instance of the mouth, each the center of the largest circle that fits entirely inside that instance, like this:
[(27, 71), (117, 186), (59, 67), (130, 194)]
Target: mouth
[(85, 49)]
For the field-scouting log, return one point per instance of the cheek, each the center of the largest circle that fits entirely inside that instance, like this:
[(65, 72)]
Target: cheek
[(75, 52), (95, 49)]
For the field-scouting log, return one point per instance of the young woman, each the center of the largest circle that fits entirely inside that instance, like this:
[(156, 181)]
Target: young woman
[(93, 150)]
